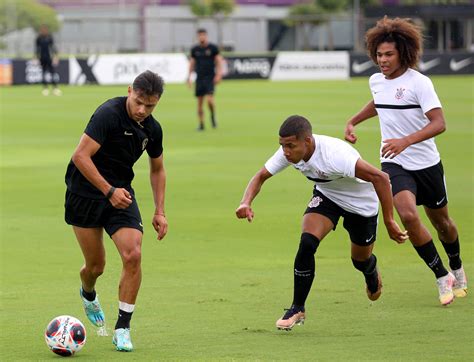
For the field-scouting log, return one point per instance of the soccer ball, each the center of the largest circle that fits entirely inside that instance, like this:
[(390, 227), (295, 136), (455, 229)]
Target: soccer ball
[(65, 335)]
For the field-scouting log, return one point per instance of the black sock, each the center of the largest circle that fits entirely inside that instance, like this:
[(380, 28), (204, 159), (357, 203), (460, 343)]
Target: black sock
[(304, 268), (90, 296), (123, 320), (453, 251), (368, 268), (213, 120), (431, 257)]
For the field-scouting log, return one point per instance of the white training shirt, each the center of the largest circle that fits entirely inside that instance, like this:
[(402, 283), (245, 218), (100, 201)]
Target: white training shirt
[(401, 105), (332, 168)]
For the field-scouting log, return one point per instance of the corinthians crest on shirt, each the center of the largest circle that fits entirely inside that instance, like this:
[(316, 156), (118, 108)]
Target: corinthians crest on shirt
[(400, 93)]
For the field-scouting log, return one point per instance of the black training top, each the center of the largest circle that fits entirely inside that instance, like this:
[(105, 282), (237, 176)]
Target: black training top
[(205, 60), (45, 49), (122, 142)]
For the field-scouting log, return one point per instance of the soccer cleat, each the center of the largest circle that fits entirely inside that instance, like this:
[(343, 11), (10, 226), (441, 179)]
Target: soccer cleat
[(122, 340), (460, 284), (57, 92), (376, 295), (93, 311), (292, 316), (445, 288), (45, 92), (213, 121)]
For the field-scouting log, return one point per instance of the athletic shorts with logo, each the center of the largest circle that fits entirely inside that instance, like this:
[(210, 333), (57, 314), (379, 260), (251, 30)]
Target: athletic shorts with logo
[(204, 86), (91, 213), (428, 184), (362, 230)]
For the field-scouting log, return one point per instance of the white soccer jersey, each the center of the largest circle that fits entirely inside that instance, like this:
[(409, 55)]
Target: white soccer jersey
[(332, 168), (401, 105)]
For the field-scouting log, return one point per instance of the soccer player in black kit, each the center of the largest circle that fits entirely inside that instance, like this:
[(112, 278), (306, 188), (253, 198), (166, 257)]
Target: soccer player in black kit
[(47, 55), (100, 196), (207, 63)]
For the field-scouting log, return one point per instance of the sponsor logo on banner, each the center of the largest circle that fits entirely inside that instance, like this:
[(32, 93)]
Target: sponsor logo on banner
[(123, 68), (248, 67), (29, 72), (362, 67), (458, 65), (425, 66), (310, 66)]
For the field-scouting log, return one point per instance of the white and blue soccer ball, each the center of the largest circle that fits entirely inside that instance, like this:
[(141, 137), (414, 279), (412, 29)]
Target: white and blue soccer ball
[(65, 335)]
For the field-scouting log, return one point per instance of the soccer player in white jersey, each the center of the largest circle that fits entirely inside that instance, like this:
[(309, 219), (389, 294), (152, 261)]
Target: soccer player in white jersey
[(410, 116), (345, 186)]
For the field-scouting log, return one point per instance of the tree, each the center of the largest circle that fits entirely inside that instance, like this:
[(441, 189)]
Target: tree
[(217, 9), (21, 14), (306, 16), (311, 13)]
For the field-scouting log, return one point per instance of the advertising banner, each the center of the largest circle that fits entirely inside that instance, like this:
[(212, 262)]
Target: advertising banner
[(430, 64), (248, 67), (123, 68), (6, 72), (29, 72), (310, 66)]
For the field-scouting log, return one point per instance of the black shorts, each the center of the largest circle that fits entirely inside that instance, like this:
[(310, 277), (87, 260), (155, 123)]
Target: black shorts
[(362, 230), (428, 184), (204, 86), (47, 65), (89, 213)]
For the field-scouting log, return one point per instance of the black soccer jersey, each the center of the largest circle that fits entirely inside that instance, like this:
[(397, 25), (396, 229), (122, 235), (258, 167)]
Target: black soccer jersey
[(122, 142), (45, 49), (205, 60)]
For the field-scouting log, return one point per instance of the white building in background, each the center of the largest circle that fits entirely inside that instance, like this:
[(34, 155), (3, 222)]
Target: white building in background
[(130, 26)]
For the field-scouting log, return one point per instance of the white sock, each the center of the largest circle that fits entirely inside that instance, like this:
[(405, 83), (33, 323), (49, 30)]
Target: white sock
[(126, 307)]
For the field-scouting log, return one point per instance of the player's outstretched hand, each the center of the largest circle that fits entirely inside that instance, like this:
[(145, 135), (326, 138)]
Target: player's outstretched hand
[(121, 198), (160, 224), (349, 134), (244, 211), (395, 232), (393, 147)]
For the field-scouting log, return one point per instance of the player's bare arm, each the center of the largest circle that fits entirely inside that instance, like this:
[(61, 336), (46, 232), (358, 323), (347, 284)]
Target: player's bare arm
[(158, 186), (244, 211), (218, 68), (437, 125), (82, 158), (365, 171), (365, 113), (192, 64)]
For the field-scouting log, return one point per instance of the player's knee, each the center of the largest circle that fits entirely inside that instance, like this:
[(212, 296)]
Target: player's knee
[(132, 258), (308, 244), (443, 225), (95, 269), (409, 218)]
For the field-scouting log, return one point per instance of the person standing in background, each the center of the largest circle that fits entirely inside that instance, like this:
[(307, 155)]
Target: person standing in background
[(47, 55), (207, 63)]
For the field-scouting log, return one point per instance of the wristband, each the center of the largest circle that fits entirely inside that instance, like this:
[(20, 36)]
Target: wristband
[(110, 193)]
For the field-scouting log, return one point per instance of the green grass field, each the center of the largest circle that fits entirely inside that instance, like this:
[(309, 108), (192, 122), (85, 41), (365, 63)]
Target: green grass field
[(214, 287)]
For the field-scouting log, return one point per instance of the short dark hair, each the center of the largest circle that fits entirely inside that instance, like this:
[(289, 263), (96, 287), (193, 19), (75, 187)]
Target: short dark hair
[(296, 126), (407, 37), (149, 83), (201, 30)]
